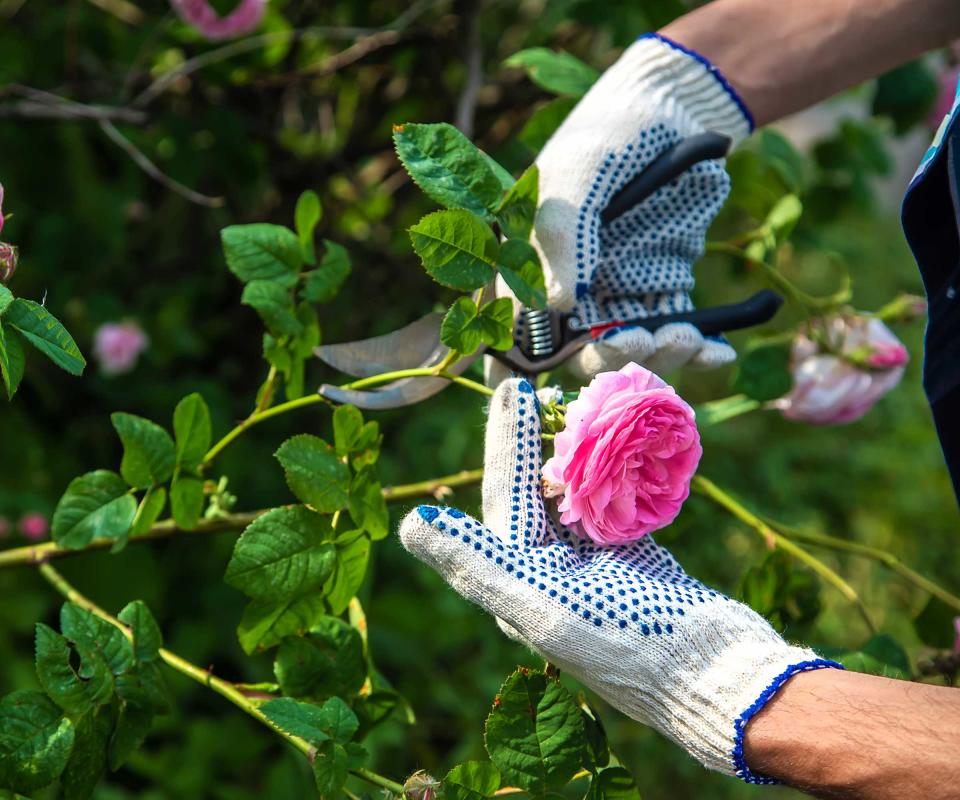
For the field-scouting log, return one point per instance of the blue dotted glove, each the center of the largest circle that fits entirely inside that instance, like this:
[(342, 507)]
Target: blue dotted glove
[(627, 621), (640, 265)]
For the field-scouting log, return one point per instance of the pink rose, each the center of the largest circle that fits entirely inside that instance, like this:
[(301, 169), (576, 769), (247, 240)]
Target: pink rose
[(33, 525), (625, 458), (8, 261), (841, 382), (118, 345), (201, 15)]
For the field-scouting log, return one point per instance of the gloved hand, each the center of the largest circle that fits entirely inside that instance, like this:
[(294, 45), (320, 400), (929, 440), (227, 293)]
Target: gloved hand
[(626, 621), (639, 265)]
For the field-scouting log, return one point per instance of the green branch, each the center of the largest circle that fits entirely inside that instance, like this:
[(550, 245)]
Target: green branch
[(710, 490), (205, 677), (48, 551)]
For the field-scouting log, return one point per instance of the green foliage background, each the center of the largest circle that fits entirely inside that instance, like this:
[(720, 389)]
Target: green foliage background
[(102, 241)]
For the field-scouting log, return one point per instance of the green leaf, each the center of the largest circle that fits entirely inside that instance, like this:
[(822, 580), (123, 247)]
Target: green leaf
[(934, 624), (148, 451), (76, 691), (35, 741), (11, 359), (783, 217), (448, 167), (327, 661), (519, 265), (88, 759), (347, 425), (472, 780), (330, 767), (186, 501), (786, 594), (352, 558), (367, 505), (613, 783), (95, 505), (6, 298), (262, 252), (333, 720), (98, 636), (596, 748), (45, 332), (544, 122), (881, 655), (496, 323), (274, 304), (306, 217), (285, 553), (314, 473), (192, 431), (460, 329), (764, 372), (147, 639), (557, 72), (535, 733), (519, 207), (149, 511), (906, 95), (266, 623), (323, 284), (457, 249)]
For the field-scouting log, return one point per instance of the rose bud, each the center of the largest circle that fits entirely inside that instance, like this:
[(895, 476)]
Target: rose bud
[(625, 458), (841, 369), (8, 261)]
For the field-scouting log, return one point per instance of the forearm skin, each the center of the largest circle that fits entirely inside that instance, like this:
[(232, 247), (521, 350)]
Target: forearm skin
[(839, 734), (782, 57)]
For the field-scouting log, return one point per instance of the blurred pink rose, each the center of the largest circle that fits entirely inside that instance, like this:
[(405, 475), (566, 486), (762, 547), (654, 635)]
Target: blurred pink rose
[(5, 527), (118, 345), (625, 458), (842, 382), (8, 261), (201, 15), (946, 96), (34, 525)]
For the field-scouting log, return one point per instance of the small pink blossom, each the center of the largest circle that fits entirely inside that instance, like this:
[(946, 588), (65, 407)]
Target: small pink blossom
[(199, 14), (8, 261), (34, 526), (5, 527), (118, 345), (625, 458), (829, 386)]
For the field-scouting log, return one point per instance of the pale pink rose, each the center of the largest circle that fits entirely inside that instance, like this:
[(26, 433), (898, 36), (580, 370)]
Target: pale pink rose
[(118, 345), (842, 382), (625, 458), (201, 15), (946, 96), (8, 261), (33, 525)]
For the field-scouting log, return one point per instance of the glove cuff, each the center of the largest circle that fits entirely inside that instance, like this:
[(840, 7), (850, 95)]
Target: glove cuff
[(674, 74)]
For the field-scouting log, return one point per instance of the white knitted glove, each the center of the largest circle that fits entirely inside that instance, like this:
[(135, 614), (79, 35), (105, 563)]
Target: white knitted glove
[(626, 621), (639, 265)]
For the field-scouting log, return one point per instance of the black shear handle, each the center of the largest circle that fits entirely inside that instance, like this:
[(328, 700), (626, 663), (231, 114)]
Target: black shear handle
[(667, 166)]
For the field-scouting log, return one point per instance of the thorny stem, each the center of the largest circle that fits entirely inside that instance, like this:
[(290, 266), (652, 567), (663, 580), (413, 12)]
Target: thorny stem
[(309, 400), (42, 553), (710, 490), (205, 677)]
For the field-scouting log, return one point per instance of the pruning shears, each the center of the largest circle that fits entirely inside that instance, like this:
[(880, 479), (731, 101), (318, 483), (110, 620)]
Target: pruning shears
[(551, 339)]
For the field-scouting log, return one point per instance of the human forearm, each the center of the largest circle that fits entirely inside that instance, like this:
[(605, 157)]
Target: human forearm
[(846, 735), (783, 57)]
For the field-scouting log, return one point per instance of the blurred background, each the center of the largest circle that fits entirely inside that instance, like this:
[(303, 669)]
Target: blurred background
[(105, 243)]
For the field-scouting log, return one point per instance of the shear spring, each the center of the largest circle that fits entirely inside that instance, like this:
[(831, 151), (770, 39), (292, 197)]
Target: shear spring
[(539, 331)]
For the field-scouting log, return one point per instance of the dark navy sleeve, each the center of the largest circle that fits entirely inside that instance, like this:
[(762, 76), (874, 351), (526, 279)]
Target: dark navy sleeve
[(931, 222)]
